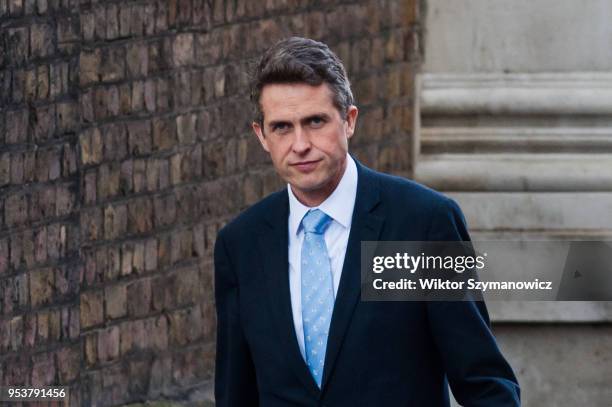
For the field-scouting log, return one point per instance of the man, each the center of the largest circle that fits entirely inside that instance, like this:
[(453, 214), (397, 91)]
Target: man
[(292, 330)]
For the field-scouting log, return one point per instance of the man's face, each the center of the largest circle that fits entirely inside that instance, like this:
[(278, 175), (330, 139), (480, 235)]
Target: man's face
[(306, 137)]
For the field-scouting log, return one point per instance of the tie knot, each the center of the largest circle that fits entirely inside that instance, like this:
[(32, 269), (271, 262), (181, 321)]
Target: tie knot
[(315, 221)]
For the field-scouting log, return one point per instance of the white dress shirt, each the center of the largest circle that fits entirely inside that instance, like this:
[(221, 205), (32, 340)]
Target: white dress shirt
[(339, 206)]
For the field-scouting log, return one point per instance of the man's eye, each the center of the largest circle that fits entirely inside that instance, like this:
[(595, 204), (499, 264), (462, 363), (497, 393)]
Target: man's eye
[(280, 127), (316, 122)]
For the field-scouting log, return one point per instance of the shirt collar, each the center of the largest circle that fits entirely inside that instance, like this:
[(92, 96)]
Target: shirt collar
[(339, 205)]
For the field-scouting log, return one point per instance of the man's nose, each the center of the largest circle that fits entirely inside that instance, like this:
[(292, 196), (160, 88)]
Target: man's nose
[(301, 141)]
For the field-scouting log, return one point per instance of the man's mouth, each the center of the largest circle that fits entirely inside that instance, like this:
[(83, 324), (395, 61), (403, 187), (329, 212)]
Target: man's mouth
[(306, 166)]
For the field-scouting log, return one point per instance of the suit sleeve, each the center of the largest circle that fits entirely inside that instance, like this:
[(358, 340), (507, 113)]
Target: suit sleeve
[(235, 382), (477, 372)]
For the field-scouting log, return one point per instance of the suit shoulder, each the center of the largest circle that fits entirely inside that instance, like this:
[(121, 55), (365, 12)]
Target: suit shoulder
[(406, 191), (249, 219)]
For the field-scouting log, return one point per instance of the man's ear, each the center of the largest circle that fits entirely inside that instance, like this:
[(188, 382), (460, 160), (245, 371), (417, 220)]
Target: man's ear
[(259, 133), (351, 120)]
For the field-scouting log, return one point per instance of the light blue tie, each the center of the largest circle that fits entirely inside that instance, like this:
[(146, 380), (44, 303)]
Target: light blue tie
[(317, 291)]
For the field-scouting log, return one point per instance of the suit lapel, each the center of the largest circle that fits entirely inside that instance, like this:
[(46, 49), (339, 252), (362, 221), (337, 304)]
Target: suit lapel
[(365, 225), (273, 242)]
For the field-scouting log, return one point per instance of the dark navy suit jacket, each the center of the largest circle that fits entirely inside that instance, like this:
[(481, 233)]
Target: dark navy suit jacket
[(384, 354)]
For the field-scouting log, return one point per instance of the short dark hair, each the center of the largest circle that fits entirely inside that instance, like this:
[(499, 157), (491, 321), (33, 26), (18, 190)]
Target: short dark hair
[(301, 60)]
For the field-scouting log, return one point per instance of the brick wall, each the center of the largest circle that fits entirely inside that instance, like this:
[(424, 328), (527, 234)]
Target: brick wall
[(124, 146)]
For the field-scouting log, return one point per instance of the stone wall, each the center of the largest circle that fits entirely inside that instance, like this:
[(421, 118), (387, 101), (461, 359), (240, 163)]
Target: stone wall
[(125, 146)]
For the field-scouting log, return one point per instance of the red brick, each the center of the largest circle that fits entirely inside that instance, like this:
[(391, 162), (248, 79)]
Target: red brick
[(87, 106), (68, 360), (165, 210), (140, 337), (29, 327), (54, 163), (207, 48), (175, 168), (4, 255), (149, 19), (69, 160), (18, 84), (27, 243), (40, 246), (90, 274), (41, 286), (112, 101), (17, 168), (16, 252), (138, 259), (17, 126), (183, 49), (41, 40), (92, 309), (115, 221), (108, 344), (91, 223), (16, 333), (160, 374), (67, 117), (19, 374), (90, 349), (209, 320), (164, 134), (89, 189), (43, 369), (151, 255), (55, 325), (149, 95), (16, 209), (125, 99), (152, 174), (116, 301), (114, 261), (67, 282), (113, 68), (5, 169), (137, 60), (30, 83), (140, 216), (65, 200), (139, 297), (127, 254), (42, 82), (192, 366), (53, 241), (157, 327), (108, 181), (90, 64), (186, 128), (185, 326), (29, 166), (126, 177), (137, 23), (163, 95), (139, 137), (139, 175), (5, 335), (42, 203), (187, 287), (125, 16), (112, 22), (42, 327)]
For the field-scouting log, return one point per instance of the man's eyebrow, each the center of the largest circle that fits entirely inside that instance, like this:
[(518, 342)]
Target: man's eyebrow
[(276, 122), (306, 119), (324, 116)]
